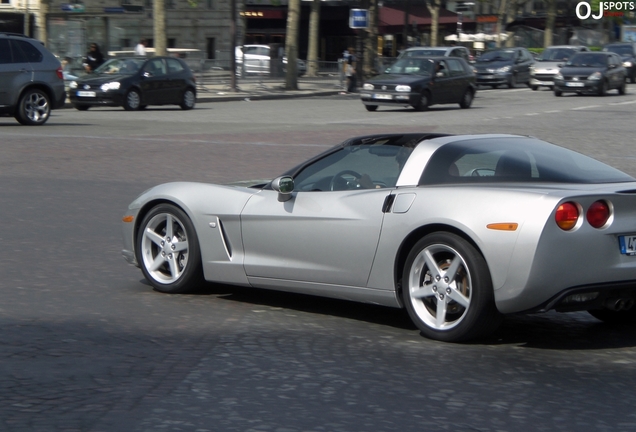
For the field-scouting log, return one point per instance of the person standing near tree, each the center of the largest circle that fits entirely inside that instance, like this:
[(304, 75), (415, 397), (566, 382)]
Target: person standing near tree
[(350, 70), (140, 49)]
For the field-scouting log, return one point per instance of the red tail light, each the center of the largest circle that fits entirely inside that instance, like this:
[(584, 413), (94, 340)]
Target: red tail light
[(598, 214), (60, 73), (567, 215)]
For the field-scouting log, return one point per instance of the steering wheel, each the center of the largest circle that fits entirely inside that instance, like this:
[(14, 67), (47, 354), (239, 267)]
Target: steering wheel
[(339, 177), (481, 172)]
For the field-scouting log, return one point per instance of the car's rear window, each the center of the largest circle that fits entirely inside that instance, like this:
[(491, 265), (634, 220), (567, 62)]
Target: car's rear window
[(516, 159)]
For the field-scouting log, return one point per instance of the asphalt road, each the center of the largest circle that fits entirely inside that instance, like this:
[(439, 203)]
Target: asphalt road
[(86, 345)]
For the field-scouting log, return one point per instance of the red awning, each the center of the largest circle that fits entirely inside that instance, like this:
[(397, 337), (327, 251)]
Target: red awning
[(394, 16)]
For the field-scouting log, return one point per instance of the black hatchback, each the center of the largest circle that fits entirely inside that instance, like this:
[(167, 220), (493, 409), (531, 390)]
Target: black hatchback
[(421, 82), (134, 83), (591, 72)]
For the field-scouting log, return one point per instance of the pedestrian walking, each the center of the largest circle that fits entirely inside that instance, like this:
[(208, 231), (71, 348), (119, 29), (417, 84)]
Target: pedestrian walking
[(350, 69), (140, 49)]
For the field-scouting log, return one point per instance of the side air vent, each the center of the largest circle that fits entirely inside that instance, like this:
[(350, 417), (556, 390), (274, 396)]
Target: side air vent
[(228, 247)]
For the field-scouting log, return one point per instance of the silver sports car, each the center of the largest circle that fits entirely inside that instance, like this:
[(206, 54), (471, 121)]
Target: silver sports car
[(459, 230)]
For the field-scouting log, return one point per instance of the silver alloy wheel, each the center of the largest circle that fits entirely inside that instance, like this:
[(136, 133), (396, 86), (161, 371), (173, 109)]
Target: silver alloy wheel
[(133, 100), (440, 286), (36, 107), (164, 248)]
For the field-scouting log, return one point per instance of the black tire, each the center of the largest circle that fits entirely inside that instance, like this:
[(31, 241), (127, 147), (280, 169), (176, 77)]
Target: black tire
[(512, 82), (633, 79), (465, 297), (132, 100), (622, 88), (615, 317), (81, 107), (534, 87), (371, 107), (34, 108), (188, 99), (558, 92), (494, 86), (168, 241), (467, 99), (602, 90), (423, 102)]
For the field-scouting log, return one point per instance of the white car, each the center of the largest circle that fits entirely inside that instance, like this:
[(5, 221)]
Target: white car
[(543, 71), (255, 59)]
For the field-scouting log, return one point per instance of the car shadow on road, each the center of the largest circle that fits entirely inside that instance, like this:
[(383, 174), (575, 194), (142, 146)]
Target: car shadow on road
[(549, 331)]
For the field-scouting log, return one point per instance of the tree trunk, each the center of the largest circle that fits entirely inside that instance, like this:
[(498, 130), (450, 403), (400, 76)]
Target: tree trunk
[(159, 16), (291, 45), (371, 42), (233, 86), (40, 22), (549, 23), (314, 37), (433, 8), (500, 19)]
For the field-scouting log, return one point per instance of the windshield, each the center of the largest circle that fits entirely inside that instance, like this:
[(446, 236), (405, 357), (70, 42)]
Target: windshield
[(411, 66), (556, 54), (499, 55), (620, 49), (120, 66), (587, 60)]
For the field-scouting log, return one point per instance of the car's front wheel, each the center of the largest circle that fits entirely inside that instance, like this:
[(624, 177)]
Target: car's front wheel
[(447, 289), (168, 250), (558, 92), (602, 88), (132, 100), (371, 107), (512, 82), (34, 108), (622, 88), (422, 102), (188, 100), (81, 107), (467, 99)]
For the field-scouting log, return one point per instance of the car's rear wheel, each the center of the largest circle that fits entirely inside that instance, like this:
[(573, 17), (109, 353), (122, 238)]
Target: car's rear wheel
[(168, 250), (467, 99), (447, 289), (621, 89), (371, 107), (188, 100), (423, 101), (132, 101), (81, 107), (34, 108), (615, 317)]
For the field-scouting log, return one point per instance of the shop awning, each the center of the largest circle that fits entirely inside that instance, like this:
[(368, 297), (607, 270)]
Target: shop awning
[(418, 15)]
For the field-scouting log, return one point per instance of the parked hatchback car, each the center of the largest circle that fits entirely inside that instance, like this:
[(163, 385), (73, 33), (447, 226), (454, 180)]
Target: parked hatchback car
[(542, 72), (256, 59), (31, 80), (421, 82), (627, 51), (454, 51), (591, 72), (134, 83), (504, 66)]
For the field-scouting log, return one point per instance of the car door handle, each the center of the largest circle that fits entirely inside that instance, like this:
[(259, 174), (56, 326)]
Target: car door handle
[(24, 70)]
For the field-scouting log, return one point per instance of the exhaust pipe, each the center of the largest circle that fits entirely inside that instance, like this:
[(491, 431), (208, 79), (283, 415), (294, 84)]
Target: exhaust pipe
[(620, 304)]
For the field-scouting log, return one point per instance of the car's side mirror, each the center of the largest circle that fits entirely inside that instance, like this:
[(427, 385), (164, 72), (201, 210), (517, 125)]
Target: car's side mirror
[(439, 74), (560, 65), (284, 186), (146, 75)]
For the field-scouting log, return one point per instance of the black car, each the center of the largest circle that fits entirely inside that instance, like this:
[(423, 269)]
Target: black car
[(135, 83), (454, 51), (31, 80), (504, 66), (627, 51), (591, 72), (421, 82)]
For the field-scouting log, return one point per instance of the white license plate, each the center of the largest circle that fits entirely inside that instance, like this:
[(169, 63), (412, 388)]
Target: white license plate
[(575, 84), (382, 96), (86, 93), (627, 244)]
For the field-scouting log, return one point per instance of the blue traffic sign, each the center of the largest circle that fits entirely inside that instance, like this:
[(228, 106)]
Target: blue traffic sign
[(359, 18)]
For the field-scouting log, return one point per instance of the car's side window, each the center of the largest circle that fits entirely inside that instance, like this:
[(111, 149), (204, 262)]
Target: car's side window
[(442, 69), (354, 167), (155, 67), (455, 67), (18, 55), (174, 66), (32, 54), (5, 51)]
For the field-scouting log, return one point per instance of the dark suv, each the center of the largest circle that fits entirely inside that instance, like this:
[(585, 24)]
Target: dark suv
[(627, 51), (31, 80)]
